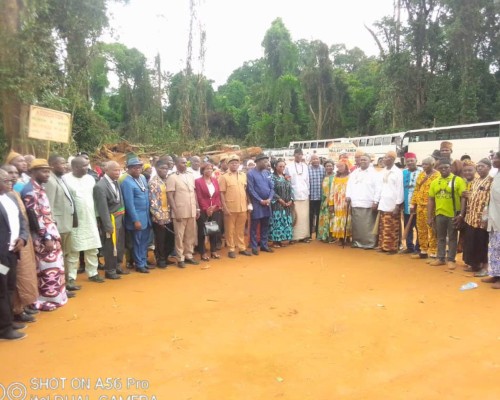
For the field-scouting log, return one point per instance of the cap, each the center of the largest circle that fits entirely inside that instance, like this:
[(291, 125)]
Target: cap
[(232, 157), (410, 155), (261, 156), (133, 161)]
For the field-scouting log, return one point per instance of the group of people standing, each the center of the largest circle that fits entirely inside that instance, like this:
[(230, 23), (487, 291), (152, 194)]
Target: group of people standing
[(59, 219)]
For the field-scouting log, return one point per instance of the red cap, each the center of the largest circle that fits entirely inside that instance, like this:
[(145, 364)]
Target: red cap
[(410, 155)]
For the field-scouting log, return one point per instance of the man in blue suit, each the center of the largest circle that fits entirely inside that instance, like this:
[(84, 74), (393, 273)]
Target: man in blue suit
[(135, 193), (261, 193)]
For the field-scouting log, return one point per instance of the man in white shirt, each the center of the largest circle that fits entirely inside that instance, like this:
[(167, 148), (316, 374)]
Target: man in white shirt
[(390, 201), (195, 167), (363, 187), (299, 178)]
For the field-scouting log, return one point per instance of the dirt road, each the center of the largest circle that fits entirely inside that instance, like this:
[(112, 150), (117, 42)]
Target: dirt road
[(312, 321)]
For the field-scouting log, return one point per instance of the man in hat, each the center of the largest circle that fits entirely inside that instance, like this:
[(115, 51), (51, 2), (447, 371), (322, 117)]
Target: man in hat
[(63, 208), (233, 185), (298, 172), (110, 208), (14, 233), (185, 211), (362, 189), (444, 204), (410, 175), (445, 150), (316, 176), (390, 200), (260, 189), (18, 161), (135, 193), (46, 240), (85, 236)]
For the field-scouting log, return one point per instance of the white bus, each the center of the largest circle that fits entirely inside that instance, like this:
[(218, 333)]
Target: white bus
[(325, 148), (474, 140), (378, 145)]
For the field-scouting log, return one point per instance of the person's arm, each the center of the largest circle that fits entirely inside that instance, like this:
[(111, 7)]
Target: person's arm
[(171, 195), (102, 208), (251, 188), (128, 200), (271, 194), (50, 189)]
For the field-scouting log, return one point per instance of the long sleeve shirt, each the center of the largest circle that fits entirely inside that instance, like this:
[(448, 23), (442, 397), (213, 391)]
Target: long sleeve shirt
[(260, 187), (391, 189), (363, 187), (299, 177)]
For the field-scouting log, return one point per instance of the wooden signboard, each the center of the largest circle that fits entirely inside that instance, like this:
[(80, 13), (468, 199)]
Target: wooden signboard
[(47, 124)]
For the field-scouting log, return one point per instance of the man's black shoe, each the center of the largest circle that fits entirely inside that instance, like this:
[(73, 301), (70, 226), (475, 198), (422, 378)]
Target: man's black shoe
[(231, 254), (71, 285), (267, 249), (255, 252), (246, 253), (120, 271), (18, 326), (142, 270), (24, 317), (112, 276), (12, 335), (181, 264), (70, 295), (191, 261)]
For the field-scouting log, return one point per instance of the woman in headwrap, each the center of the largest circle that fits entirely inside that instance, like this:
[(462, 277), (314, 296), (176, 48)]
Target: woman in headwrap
[(341, 215), (326, 210)]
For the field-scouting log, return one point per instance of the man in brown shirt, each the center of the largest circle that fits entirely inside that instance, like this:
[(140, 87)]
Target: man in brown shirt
[(185, 212), (233, 186)]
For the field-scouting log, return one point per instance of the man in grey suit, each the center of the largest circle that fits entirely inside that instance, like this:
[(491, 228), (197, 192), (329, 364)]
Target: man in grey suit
[(63, 209), (108, 201)]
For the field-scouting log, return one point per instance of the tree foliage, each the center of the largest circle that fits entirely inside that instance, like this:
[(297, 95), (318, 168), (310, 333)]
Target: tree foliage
[(439, 64)]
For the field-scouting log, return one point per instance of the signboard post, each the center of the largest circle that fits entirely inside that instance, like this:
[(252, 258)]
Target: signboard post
[(50, 125)]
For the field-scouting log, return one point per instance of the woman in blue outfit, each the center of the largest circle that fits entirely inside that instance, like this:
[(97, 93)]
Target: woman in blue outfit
[(281, 206)]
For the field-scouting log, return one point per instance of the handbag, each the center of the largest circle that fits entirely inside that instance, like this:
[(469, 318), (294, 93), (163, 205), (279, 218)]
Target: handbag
[(211, 228)]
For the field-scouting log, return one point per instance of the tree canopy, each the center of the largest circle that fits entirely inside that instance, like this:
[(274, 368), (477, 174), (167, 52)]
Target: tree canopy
[(438, 64)]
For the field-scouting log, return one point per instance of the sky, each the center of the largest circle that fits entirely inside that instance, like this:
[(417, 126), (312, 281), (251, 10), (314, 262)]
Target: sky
[(235, 28)]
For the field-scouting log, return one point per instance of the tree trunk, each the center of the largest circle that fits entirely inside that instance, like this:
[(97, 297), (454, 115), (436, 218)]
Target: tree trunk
[(10, 14)]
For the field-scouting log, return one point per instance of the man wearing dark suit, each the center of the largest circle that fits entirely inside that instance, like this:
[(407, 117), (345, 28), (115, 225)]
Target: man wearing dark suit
[(63, 209), (108, 200), (13, 237)]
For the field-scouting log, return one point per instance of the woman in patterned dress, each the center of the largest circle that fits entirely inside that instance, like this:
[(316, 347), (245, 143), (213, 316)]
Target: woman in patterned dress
[(326, 210), (341, 212), (281, 207), (46, 240)]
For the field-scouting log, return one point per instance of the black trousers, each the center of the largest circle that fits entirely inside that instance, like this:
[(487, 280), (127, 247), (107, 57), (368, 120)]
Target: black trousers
[(314, 208), (217, 217), (164, 242), (112, 262), (7, 288)]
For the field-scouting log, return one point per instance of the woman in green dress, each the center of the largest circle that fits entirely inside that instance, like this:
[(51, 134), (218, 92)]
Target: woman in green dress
[(326, 211), (281, 206)]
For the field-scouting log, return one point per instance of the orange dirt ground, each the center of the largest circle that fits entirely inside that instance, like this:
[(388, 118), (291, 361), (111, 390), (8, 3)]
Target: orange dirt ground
[(312, 321)]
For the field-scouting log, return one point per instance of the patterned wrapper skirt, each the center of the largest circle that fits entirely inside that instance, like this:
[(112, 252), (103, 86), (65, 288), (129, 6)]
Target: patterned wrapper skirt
[(494, 254)]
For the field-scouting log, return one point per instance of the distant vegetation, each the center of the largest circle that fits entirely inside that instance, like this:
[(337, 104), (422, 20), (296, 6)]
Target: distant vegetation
[(437, 65)]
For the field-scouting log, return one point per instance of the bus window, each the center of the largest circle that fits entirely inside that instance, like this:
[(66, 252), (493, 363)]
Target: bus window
[(492, 132), (396, 140), (431, 136), (314, 145), (363, 142), (370, 142), (306, 145), (321, 145), (329, 144), (378, 141), (355, 142), (386, 140)]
